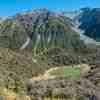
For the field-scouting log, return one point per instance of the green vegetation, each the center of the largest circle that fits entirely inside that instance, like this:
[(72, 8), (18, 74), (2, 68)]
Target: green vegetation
[(66, 71), (44, 32), (71, 71)]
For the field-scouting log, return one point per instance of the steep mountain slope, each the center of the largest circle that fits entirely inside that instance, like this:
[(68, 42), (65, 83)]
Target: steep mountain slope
[(38, 29), (86, 22), (75, 18), (42, 28), (90, 22)]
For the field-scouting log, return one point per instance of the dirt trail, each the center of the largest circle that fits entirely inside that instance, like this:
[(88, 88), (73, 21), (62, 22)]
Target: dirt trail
[(84, 68)]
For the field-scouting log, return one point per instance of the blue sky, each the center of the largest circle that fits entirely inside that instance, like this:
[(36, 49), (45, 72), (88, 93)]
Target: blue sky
[(11, 7)]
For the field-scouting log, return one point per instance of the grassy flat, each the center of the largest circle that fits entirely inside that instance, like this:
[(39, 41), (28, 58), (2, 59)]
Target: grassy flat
[(66, 71)]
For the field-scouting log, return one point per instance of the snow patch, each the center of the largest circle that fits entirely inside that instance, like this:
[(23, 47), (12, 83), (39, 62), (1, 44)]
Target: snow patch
[(25, 44)]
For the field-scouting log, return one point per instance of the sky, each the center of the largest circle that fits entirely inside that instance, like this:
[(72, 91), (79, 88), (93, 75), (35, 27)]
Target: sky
[(11, 7)]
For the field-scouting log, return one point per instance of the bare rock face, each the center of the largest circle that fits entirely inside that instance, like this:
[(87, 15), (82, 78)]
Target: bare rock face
[(63, 88)]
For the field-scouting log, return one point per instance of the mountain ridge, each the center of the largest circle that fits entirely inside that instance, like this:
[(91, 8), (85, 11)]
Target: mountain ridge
[(39, 29)]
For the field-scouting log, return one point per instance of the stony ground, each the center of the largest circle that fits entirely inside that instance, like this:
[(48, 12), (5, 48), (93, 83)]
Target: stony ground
[(18, 67)]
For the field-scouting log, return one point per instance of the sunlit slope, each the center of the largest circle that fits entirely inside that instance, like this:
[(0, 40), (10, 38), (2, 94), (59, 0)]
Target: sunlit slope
[(38, 30)]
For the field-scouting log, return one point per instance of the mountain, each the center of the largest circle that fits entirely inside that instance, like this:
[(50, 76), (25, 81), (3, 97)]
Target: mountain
[(42, 29), (38, 29), (33, 42), (87, 22), (90, 20)]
